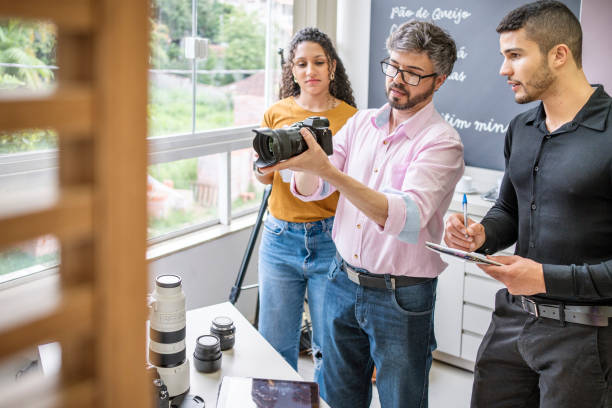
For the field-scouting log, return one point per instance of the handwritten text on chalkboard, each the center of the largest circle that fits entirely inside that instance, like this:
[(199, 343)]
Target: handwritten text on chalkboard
[(456, 15)]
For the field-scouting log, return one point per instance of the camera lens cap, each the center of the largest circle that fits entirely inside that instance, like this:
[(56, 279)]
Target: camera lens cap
[(168, 281), (223, 322), (207, 342)]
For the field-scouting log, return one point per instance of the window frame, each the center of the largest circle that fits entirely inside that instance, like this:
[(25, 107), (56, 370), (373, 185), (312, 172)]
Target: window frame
[(163, 149)]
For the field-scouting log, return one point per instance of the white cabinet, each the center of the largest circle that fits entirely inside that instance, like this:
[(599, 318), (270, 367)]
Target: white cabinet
[(449, 302), (466, 295), (464, 302)]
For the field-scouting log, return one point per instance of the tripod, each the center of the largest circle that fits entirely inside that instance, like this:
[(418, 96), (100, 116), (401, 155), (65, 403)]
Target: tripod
[(306, 331), (237, 288)]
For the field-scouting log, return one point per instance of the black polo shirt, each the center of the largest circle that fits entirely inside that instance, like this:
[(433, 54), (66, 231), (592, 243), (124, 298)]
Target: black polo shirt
[(555, 201)]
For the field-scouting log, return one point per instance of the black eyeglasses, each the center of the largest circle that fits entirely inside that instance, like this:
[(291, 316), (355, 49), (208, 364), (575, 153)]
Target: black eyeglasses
[(407, 76)]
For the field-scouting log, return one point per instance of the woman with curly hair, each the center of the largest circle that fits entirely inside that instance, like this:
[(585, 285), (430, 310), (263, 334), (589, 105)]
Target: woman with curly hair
[(296, 247)]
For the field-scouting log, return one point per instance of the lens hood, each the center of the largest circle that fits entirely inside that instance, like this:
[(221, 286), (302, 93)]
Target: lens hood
[(264, 139), (207, 354)]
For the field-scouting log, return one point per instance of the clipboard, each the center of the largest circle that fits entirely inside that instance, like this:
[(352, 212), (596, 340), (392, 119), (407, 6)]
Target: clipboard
[(466, 256)]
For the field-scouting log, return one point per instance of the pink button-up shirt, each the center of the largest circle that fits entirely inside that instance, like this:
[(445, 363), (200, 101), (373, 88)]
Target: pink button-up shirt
[(416, 167)]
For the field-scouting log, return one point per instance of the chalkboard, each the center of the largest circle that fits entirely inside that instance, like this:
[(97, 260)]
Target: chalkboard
[(475, 99)]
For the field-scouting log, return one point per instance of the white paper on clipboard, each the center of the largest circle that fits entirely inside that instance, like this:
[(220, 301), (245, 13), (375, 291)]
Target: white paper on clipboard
[(466, 256)]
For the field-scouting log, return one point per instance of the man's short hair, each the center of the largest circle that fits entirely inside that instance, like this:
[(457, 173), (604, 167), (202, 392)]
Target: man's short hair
[(547, 23), (421, 36)]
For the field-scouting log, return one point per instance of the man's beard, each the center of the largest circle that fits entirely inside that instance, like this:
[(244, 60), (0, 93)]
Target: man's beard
[(412, 101), (542, 80)]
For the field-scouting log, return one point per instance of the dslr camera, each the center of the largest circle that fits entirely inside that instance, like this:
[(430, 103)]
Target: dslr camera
[(274, 145)]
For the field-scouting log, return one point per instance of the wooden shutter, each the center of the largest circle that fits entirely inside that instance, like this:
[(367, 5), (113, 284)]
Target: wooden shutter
[(99, 111)]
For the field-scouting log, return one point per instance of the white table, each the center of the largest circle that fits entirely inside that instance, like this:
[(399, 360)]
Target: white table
[(251, 356)]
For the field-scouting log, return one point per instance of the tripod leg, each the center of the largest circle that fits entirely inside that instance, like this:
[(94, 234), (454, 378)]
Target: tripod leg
[(256, 324), (235, 291)]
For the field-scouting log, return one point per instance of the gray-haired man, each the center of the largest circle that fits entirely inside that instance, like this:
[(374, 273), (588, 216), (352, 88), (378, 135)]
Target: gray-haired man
[(395, 168)]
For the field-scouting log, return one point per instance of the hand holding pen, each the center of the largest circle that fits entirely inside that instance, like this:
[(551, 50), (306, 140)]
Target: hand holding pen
[(463, 233)]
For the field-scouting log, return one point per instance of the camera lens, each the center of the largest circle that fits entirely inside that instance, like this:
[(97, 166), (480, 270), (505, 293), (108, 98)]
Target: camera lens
[(167, 323), (207, 354), (275, 145), (223, 327), (271, 145)]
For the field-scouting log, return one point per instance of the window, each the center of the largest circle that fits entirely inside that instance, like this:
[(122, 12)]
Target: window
[(202, 110), (28, 174), (200, 114)]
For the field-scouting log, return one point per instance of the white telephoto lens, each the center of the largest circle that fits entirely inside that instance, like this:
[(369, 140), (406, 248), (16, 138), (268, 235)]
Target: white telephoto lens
[(167, 323), (167, 355), (175, 378), (167, 310)]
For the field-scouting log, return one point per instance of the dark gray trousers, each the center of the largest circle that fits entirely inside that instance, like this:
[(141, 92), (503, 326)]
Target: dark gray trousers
[(524, 361)]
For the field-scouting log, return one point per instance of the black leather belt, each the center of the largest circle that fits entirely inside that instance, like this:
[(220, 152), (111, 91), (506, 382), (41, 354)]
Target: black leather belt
[(378, 281), (587, 315)]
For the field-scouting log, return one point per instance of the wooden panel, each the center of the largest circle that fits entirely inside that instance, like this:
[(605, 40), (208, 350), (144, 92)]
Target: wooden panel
[(71, 15), (69, 109), (121, 218), (100, 113), (73, 317), (74, 57), (71, 218), (75, 162), (78, 360)]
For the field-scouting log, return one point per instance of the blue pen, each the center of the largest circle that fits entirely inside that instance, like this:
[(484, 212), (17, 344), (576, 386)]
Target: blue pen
[(464, 205)]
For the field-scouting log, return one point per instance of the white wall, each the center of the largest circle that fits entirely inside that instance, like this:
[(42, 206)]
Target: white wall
[(353, 45), (209, 271), (596, 51)]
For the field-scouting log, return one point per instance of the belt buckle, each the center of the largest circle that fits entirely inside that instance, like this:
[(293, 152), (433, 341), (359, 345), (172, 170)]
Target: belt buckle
[(527, 304), (352, 274)]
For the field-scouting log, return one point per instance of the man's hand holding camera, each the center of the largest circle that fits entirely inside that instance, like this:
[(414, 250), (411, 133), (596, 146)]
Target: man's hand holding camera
[(312, 164), (313, 160)]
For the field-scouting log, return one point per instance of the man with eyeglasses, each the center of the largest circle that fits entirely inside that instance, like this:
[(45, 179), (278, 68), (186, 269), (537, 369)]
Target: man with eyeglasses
[(396, 168)]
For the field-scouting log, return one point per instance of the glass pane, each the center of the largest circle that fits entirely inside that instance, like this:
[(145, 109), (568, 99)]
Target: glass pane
[(231, 79), (182, 193), (28, 257), (27, 62), (27, 141), (280, 30), (28, 158), (27, 54), (246, 190), (170, 76)]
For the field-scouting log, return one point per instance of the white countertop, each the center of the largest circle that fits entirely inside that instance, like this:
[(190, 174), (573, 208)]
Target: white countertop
[(251, 356)]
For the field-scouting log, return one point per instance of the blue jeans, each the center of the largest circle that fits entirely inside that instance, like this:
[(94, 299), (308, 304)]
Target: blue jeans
[(293, 257), (392, 329)]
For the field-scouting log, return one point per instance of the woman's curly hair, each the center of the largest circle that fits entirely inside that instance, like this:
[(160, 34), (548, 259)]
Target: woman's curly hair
[(339, 87)]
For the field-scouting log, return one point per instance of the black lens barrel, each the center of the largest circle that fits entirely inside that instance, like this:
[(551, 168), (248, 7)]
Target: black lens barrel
[(167, 360), (223, 327), (207, 354)]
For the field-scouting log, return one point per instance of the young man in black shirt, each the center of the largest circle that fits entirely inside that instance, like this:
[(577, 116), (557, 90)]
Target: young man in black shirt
[(550, 340)]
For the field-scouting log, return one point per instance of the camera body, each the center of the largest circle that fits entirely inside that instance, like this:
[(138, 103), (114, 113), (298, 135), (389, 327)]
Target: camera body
[(275, 145)]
